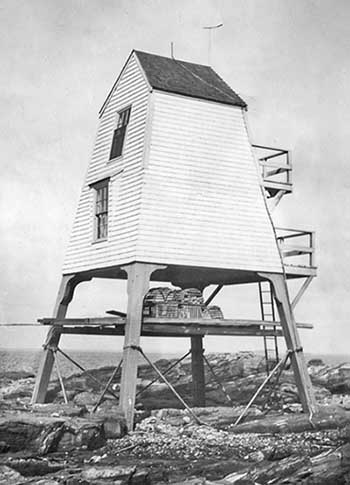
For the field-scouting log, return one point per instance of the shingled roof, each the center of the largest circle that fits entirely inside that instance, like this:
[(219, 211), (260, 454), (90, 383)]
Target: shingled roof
[(186, 78)]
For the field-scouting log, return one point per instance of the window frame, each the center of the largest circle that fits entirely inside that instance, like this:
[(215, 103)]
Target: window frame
[(98, 212), (121, 124)]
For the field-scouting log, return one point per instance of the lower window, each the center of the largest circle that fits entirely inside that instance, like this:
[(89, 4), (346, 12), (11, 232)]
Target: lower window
[(101, 210)]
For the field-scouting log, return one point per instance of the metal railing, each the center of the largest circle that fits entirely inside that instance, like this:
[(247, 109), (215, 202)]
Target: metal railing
[(296, 243)]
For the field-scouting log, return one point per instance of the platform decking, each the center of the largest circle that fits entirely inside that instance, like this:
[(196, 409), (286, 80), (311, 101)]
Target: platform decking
[(167, 327)]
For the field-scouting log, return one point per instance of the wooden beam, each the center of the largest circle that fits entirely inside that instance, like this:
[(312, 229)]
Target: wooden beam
[(198, 375), (291, 336), (64, 297), (301, 291), (83, 321), (116, 312), (299, 271), (275, 185), (139, 275), (156, 330), (213, 295), (185, 322), (274, 201), (295, 250)]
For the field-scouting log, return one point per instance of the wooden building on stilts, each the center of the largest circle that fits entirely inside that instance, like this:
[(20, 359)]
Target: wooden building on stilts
[(176, 192)]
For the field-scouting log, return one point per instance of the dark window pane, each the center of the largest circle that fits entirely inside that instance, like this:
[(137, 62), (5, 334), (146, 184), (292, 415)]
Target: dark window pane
[(101, 211), (102, 226), (117, 143)]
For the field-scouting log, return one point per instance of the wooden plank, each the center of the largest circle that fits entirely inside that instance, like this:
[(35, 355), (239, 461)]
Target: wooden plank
[(269, 184), (293, 270), (198, 375), (291, 335), (154, 330), (274, 149), (219, 323), (83, 321), (295, 250), (112, 321)]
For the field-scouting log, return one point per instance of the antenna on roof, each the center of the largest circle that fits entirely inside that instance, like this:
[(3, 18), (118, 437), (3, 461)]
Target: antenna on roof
[(172, 50), (210, 28)]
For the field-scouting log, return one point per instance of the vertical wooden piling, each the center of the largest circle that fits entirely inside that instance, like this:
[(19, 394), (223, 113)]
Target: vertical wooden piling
[(198, 375), (138, 284), (64, 297), (291, 336)]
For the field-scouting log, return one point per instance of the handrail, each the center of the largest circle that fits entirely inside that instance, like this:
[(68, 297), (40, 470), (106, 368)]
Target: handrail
[(298, 248), (283, 166)]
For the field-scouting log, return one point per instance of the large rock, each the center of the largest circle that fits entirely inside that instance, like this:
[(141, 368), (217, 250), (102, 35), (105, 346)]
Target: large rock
[(336, 379), (241, 374), (325, 418), (30, 467), (122, 473), (57, 410), (17, 389), (219, 417), (114, 423), (8, 476), (44, 434)]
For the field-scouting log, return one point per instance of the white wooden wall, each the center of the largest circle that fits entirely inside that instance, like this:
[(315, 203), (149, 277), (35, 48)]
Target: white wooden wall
[(202, 203), (185, 191), (125, 183)]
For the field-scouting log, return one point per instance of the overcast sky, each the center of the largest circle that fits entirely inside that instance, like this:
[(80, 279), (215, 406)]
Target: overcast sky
[(59, 58)]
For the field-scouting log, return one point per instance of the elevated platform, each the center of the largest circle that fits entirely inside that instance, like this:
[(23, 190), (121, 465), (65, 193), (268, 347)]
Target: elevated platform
[(298, 252), (167, 327), (276, 169)]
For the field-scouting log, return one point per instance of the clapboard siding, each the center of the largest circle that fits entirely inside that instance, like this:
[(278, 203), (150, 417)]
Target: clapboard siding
[(126, 177), (191, 197), (202, 203)]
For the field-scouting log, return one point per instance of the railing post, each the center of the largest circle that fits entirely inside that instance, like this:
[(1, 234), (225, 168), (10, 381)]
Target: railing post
[(312, 246), (289, 161)]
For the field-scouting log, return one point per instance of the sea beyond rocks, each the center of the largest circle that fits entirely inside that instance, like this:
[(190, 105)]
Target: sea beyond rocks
[(275, 442)]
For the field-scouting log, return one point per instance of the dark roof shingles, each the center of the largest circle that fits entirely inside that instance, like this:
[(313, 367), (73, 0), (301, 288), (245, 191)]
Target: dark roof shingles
[(186, 78)]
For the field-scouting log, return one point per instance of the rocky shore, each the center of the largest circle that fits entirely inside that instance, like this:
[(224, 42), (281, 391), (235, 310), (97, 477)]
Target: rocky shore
[(55, 443)]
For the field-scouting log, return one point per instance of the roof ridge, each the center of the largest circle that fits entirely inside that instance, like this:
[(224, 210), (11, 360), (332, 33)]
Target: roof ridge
[(172, 58)]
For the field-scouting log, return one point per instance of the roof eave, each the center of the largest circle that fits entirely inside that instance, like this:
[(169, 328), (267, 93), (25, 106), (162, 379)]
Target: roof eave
[(118, 78), (242, 105)]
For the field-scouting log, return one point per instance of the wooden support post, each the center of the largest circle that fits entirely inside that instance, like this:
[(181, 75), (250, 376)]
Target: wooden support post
[(291, 336), (64, 297), (301, 291), (139, 275), (198, 375)]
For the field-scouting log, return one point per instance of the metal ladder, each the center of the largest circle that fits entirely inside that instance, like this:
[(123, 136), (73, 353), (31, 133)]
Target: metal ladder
[(268, 313)]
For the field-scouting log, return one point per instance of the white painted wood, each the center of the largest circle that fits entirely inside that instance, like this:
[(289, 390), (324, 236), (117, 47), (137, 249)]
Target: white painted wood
[(202, 203), (125, 186), (186, 190)]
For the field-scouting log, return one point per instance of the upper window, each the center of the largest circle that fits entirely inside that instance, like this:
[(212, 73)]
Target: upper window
[(101, 210), (119, 134)]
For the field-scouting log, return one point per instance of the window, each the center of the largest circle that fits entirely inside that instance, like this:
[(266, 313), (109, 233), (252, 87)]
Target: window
[(101, 210), (119, 134)]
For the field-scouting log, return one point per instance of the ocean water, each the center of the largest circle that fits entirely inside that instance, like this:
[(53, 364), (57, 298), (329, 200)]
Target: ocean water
[(29, 360)]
